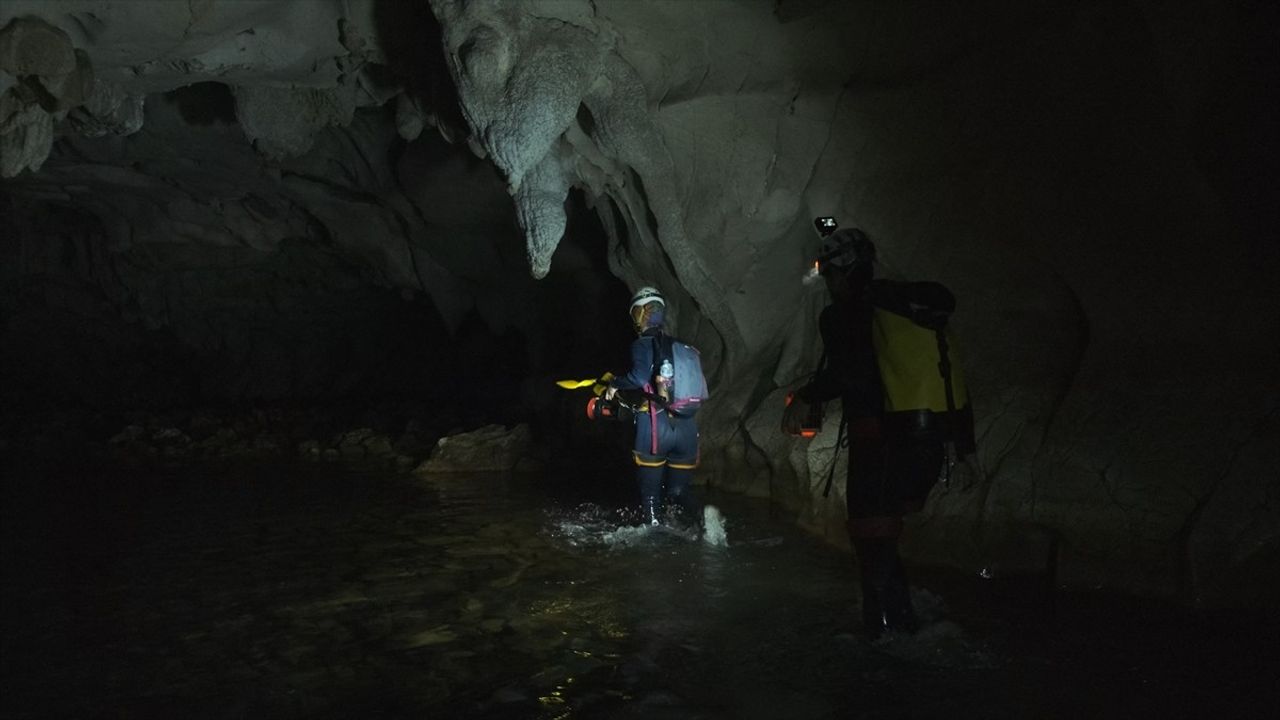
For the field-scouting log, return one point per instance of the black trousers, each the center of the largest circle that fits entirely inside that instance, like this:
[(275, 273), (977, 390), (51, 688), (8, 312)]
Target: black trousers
[(890, 475)]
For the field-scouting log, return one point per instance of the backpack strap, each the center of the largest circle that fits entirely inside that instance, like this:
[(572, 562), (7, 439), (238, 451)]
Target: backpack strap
[(944, 368)]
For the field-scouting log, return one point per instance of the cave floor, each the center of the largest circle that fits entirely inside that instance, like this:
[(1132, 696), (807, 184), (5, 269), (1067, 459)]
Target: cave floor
[(280, 591)]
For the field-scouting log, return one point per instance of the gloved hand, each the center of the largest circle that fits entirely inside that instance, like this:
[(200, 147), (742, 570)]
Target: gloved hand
[(794, 415), (602, 385), (609, 392)]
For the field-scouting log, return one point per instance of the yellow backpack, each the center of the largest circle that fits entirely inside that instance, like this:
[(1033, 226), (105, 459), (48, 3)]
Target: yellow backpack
[(917, 358)]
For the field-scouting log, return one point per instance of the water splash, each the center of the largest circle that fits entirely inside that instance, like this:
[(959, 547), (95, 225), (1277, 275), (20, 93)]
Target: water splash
[(713, 532), (584, 525), (589, 525), (627, 535)]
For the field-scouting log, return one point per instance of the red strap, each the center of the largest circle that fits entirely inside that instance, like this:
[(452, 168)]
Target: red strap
[(653, 422)]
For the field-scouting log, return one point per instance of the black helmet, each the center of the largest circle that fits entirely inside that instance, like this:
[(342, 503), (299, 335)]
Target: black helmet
[(846, 249)]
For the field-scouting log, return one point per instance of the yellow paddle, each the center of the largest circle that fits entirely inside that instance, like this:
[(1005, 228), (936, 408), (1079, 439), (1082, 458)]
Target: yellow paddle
[(597, 385)]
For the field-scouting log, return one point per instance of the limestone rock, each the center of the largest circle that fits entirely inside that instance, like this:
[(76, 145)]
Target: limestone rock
[(31, 46), (109, 110), (70, 89), (409, 117), (491, 448), (26, 136), (51, 77), (130, 433), (284, 121), (170, 436), (522, 77)]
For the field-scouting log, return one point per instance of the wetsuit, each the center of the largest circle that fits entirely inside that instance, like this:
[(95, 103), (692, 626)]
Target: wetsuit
[(891, 467), (666, 443)]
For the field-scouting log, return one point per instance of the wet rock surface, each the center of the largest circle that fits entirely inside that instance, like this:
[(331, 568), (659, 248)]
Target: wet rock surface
[(400, 436), (492, 448), (304, 590)]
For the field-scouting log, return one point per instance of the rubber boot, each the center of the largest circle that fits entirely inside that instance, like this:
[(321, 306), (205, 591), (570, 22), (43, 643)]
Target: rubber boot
[(690, 509), (872, 612), (680, 493), (886, 596), (899, 615), (649, 480), (870, 568)]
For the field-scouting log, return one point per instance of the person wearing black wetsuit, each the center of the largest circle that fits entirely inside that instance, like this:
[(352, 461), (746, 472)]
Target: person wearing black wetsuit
[(880, 487)]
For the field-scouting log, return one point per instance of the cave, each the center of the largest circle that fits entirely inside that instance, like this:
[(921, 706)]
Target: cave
[(286, 290)]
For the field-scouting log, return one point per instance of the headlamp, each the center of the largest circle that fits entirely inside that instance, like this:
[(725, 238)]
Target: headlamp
[(825, 225)]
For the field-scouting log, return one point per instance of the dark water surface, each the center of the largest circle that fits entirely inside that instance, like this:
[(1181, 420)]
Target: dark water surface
[(310, 591)]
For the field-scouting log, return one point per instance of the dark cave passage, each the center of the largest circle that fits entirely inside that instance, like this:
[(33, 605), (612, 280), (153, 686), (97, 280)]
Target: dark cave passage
[(102, 334), (286, 289)]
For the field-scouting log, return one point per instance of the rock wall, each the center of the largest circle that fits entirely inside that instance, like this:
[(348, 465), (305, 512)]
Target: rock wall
[(1092, 182)]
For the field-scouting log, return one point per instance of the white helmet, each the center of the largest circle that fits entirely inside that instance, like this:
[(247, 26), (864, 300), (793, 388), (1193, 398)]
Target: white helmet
[(646, 295)]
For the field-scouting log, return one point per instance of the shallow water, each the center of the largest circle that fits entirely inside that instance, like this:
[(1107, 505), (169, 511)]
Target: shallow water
[(307, 591)]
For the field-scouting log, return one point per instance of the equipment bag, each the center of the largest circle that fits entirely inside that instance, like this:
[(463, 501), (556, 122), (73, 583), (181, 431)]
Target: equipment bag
[(923, 387), (689, 385)]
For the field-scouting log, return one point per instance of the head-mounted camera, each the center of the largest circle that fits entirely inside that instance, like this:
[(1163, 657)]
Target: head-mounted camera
[(825, 225)]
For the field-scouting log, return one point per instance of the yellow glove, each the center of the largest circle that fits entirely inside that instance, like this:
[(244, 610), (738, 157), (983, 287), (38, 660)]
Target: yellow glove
[(602, 384)]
